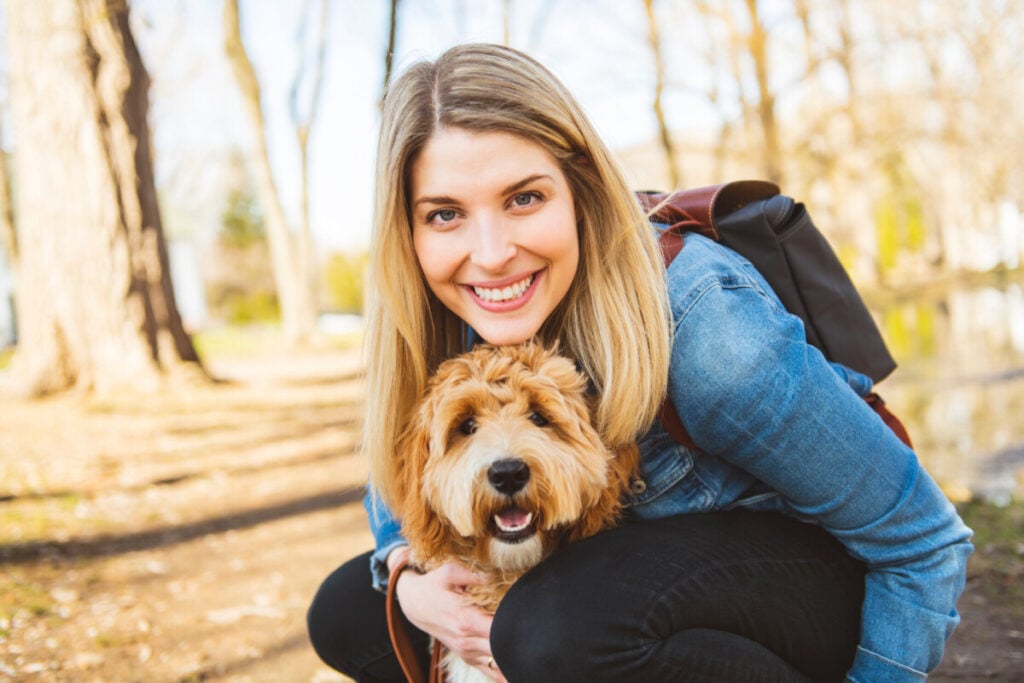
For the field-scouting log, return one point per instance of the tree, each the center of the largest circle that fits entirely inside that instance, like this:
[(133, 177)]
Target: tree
[(239, 281), (96, 308), (389, 54), (8, 236), (756, 44), (664, 135), (294, 275), (302, 121)]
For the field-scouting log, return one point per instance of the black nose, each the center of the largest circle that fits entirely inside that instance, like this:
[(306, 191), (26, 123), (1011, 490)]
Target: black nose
[(508, 475)]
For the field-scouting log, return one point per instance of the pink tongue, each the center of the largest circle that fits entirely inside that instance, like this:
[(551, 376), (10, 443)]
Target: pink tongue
[(513, 517)]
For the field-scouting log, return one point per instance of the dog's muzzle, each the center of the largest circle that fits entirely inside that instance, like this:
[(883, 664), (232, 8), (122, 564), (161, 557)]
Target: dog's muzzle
[(509, 476)]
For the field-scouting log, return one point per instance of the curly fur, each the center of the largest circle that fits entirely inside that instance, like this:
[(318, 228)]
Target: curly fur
[(514, 404)]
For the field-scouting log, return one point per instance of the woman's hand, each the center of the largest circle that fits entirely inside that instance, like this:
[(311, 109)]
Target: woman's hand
[(435, 603)]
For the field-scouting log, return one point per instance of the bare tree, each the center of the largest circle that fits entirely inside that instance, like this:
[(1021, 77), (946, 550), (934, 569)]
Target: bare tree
[(303, 123), (296, 296), (664, 134), (95, 307), (757, 46), (8, 236), (506, 22), (389, 55), (741, 58), (916, 167)]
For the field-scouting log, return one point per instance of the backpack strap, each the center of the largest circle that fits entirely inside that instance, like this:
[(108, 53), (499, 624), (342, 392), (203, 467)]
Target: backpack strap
[(698, 209), (671, 423)]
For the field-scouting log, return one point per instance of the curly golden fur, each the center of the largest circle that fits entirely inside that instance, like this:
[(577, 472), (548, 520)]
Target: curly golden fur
[(501, 463)]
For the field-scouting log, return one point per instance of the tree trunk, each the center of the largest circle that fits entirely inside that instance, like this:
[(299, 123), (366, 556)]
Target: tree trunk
[(96, 307), (664, 134), (8, 237), (296, 299), (389, 56), (303, 122), (757, 44)]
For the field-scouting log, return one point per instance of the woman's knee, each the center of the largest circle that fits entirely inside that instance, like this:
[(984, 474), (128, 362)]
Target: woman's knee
[(537, 635), (331, 619)]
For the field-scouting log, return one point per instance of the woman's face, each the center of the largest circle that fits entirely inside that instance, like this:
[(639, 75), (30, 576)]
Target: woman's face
[(494, 228)]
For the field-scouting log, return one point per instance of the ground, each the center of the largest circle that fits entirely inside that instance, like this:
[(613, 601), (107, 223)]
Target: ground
[(180, 536)]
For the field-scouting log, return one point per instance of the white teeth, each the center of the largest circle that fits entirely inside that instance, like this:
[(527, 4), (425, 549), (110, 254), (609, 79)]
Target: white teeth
[(514, 527), (505, 293)]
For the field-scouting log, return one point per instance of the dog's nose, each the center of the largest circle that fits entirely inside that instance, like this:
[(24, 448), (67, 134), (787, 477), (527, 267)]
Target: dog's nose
[(508, 475)]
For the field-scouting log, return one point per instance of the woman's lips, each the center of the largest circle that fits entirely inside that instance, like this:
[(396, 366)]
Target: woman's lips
[(502, 294), (505, 297)]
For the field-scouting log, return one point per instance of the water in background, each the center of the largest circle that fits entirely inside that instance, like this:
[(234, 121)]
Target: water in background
[(960, 386)]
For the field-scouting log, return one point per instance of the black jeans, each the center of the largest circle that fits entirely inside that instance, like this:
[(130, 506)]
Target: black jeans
[(722, 597)]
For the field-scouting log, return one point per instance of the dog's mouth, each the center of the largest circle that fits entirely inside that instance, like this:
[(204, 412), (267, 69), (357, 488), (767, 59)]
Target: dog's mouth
[(513, 524)]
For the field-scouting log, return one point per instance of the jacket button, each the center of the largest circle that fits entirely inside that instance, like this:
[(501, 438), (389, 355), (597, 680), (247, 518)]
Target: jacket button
[(637, 486)]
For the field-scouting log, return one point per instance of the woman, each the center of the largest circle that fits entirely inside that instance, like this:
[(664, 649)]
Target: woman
[(501, 216)]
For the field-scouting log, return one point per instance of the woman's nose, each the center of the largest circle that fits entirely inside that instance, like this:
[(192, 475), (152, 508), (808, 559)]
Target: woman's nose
[(494, 245)]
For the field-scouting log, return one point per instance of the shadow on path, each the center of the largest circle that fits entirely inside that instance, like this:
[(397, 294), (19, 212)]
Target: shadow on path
[(106, 545), (196, 473)]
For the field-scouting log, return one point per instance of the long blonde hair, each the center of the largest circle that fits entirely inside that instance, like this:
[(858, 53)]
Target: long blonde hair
[(614, 320)]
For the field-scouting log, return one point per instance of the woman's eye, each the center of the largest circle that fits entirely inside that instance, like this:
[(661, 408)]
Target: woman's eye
[(442, 216), (538, 419), (468, 426), (526, 198)]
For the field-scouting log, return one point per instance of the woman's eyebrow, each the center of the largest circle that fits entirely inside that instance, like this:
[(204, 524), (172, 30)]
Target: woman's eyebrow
[(525, 181), (434, 200), (510, 189)]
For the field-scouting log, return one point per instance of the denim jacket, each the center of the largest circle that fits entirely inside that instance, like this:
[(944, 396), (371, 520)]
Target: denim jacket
[(782, 429)]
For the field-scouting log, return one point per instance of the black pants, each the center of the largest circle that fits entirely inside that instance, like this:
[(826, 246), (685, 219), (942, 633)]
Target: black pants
[(723, 597)]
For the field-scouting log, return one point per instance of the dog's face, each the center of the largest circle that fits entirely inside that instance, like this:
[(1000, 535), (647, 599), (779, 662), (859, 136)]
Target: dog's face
[(501, 460)]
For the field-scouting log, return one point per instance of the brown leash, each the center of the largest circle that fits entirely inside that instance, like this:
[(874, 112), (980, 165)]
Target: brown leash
[(404, 650)]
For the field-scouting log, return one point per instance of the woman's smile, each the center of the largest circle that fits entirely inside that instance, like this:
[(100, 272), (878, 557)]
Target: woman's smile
[(508, 295), (494, 228)]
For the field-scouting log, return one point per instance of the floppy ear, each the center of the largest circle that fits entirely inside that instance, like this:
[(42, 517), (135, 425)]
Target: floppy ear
[(607, 511), (429, 539)]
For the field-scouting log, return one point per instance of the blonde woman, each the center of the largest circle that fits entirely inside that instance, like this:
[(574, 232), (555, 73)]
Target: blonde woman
[(803, 541)]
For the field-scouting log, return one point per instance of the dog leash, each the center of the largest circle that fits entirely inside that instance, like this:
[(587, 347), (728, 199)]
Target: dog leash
[(404, 650)]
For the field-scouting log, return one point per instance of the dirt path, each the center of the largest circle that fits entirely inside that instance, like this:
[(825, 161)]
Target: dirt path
[(180, 537)]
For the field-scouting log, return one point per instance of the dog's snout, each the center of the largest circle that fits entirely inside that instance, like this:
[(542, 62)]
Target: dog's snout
[(508, 475)]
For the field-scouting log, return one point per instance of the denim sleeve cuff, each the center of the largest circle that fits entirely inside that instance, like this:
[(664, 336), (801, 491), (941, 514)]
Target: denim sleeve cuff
[(379, 565), (869, 667), (858, 381)]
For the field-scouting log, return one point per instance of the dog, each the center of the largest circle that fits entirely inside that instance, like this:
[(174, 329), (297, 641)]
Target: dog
[(500, 465)]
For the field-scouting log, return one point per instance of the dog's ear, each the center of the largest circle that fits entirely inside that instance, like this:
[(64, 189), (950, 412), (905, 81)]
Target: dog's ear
[(429, 539), (607, 511)]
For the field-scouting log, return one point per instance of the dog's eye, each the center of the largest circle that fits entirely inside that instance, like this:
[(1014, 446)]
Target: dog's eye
[(468, 426), (538, 419)]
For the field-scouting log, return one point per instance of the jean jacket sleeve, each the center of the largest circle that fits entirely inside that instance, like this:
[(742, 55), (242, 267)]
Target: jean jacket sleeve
[(753, 392), (386, 535)]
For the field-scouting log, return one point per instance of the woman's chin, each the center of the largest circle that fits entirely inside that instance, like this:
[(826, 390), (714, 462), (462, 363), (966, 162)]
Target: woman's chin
[(505, 335)]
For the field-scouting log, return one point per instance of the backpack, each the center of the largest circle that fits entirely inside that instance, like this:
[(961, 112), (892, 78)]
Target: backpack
[(776, 234)]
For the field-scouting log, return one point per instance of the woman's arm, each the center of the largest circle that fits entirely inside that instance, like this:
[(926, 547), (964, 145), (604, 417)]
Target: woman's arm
[(752, 392), (387, 537)]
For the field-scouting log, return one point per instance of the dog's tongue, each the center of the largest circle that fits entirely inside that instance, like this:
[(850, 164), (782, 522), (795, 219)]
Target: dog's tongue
[(513, 519)]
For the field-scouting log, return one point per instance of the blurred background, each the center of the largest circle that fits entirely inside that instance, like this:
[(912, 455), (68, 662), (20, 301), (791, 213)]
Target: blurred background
[(185, 208), (897, 123)]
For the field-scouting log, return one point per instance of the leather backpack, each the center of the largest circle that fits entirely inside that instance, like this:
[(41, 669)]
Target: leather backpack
[(776, 234)]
